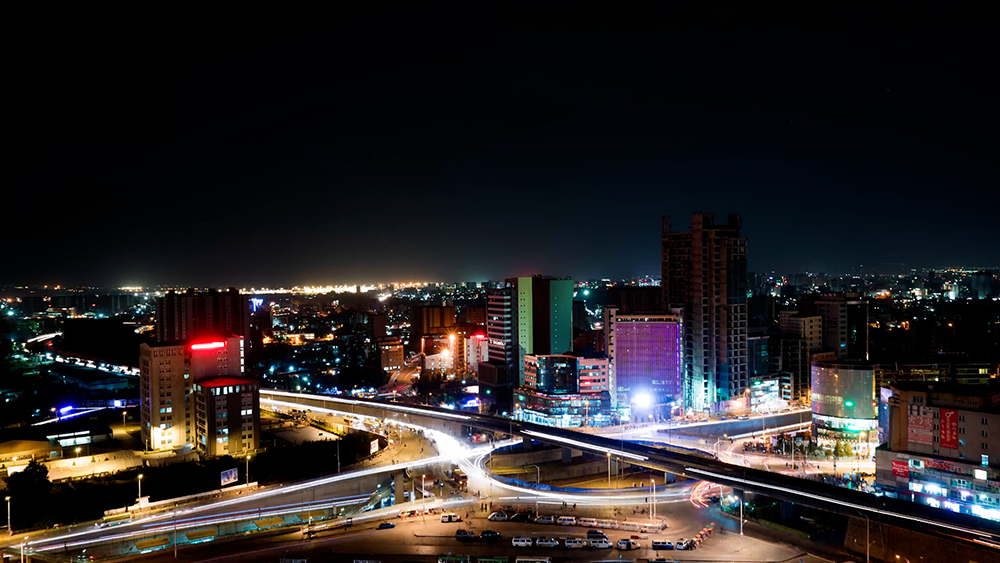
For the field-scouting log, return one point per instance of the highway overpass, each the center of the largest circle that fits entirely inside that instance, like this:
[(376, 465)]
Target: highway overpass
[(679, 461)]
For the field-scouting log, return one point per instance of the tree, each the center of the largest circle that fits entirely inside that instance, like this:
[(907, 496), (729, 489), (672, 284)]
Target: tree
[(31, 482)]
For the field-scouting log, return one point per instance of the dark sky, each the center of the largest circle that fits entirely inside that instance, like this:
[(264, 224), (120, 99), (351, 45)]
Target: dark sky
[(328, 147)]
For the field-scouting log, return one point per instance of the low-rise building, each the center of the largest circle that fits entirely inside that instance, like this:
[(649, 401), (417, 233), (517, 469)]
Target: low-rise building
[(943, 446), (227, 417)]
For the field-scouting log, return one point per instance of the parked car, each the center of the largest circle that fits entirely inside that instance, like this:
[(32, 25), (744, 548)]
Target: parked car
[(600, 543), (596, 534), (386, 525), (521, 517), (546, 542), (465, 535), (545, 519), (498, 517), (681, 544), (576, 543), (627, 545), (567, 520), (450, 517), (490, 536)]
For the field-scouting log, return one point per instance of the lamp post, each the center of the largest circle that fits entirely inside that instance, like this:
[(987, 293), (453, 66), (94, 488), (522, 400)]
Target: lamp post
[(78, 450), (538, 479), (140, 490), (423, 495), (741, 522), (22, 548), (10, 528), (652, 488), (609, 470)]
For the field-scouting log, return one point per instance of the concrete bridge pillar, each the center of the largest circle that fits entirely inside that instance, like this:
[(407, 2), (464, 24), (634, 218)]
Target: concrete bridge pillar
[(786, 510), (399, 485), (567, 455)]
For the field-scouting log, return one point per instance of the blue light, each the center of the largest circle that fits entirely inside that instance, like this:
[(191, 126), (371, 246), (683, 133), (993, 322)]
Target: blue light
[(65, 410)]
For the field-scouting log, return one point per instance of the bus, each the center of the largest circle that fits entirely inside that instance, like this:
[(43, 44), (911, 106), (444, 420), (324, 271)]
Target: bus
[(115, 519), (461, 479)]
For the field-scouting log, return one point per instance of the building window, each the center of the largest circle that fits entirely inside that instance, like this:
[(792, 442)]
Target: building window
[(986, 420), (986, 433), (961, 418)]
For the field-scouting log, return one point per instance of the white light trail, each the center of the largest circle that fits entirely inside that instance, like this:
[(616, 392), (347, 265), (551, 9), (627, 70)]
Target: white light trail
[(842, 503)]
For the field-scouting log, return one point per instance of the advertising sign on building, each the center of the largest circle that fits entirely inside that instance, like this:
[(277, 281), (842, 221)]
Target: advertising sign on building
[(920, 424), (901, 469), (949, 429), (374, 447), (230, 476)]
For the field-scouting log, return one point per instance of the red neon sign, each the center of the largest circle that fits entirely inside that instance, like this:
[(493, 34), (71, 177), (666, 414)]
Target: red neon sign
[(208, 346), (480, 336)]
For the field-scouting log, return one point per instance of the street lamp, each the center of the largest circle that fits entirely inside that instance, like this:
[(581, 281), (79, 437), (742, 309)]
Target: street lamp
[(10, 528), (78, 451), (609, 470), (652, 488), (248, 470), (140, 490)]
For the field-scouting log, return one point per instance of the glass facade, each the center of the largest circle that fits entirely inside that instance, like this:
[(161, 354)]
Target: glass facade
[(562, 410), (844, 405), (648, 358)]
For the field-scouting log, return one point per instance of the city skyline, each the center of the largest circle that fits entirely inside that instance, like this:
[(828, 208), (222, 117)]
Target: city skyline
[(328, 152)]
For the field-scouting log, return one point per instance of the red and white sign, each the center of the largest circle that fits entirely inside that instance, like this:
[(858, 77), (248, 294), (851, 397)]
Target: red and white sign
[(920, 424), (949, 429), (901, 469)]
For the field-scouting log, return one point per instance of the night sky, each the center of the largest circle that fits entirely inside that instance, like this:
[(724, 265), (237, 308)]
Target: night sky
[(330, 147)]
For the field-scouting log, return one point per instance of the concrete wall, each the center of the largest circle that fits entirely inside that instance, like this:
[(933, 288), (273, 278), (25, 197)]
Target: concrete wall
[(737, 427), (529, 474), (889, 543), (520, 457)]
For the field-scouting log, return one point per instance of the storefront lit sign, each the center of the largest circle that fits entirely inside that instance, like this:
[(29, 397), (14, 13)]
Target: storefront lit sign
[(901, 469)]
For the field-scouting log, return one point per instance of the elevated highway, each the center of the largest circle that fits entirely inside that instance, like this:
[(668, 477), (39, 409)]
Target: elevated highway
[(680, 461)]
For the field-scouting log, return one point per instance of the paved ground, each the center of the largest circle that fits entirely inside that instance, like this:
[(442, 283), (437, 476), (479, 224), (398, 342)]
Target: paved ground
[(420, 539)]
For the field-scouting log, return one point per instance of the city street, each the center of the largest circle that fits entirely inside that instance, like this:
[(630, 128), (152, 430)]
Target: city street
[(336, 490)]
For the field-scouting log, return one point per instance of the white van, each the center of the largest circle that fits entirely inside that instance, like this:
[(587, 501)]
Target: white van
[(521, 542), (600, 543), (577, 543), (566, 521), (497, 517), (630, 526), (652, 528), (450, 517), (545, 519), (609, 524), (587, 522), (662, 544)]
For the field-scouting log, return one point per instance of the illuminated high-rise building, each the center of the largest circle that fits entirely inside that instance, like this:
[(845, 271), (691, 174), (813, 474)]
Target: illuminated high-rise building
[(524, 316), (645, 356), (705, 272), (166, 375)]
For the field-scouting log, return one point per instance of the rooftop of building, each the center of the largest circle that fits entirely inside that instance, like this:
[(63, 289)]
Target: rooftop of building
[(949, 387), (224, 381)]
